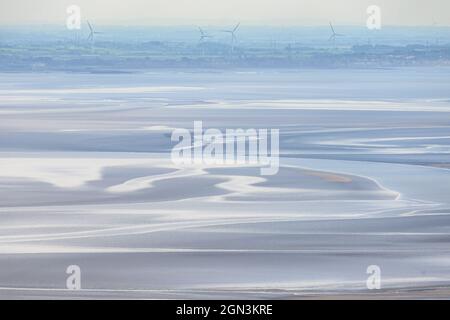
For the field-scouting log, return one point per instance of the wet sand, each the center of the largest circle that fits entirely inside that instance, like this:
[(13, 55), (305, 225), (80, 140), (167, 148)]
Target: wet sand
[(86, 179)]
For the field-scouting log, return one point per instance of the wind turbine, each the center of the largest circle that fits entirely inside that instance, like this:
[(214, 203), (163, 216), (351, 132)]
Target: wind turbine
[(435, 25), (203, 37), (233, 35), (92, 32), (334, 34), (203, 34)]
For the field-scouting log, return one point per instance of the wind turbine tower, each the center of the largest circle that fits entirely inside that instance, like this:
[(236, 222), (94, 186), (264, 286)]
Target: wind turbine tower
[(233, 35)]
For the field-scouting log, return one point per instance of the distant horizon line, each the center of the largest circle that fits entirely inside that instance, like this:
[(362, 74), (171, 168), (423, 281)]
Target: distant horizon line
[(243, 24)]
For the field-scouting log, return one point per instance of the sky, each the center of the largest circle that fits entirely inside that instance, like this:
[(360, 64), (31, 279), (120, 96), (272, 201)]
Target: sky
[(220, 12)]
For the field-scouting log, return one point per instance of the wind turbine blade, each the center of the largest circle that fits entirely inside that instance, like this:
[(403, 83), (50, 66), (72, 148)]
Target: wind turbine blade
[(90, 27), (332, 29), (237, 26)]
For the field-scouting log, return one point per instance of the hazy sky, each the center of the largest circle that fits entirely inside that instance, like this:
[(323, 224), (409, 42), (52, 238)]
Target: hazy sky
[(181, 12)]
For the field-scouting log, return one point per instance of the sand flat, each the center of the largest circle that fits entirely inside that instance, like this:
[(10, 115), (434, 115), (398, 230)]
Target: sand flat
[(86, 179)]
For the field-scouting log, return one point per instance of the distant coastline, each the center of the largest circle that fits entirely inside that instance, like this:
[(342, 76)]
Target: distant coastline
[(127, 50)]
